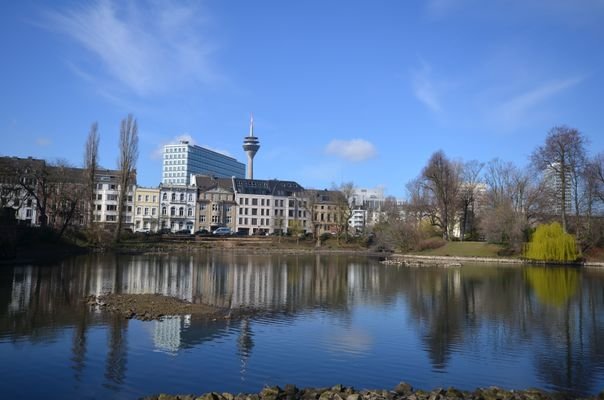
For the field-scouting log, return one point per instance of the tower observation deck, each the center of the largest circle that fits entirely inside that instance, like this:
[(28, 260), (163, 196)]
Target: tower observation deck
[(251, 146)]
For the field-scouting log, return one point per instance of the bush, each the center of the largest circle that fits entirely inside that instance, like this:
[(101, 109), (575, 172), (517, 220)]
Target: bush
[(551, 243), (431, 243)]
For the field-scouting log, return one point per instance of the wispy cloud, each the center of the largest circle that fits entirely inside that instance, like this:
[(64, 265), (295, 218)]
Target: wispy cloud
[(158, 152), (146, 47), (520, 105), (354, 150), (43, 142), (425, 89)]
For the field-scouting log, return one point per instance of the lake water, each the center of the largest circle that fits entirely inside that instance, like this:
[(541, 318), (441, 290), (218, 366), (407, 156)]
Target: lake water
[(330, 319)]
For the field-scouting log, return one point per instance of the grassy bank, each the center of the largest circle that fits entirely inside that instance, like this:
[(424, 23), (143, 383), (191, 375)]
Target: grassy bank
[(464, 249)]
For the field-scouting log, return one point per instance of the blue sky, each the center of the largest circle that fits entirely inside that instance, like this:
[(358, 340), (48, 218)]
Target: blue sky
[(361, 91)]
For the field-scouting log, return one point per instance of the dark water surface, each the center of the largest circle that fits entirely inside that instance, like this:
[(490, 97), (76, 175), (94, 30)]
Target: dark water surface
[(333, 319)]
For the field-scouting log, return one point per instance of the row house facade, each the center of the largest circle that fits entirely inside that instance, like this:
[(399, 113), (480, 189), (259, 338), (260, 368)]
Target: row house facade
[(330, 210), (146, 209), (177, 205), (216, 206)]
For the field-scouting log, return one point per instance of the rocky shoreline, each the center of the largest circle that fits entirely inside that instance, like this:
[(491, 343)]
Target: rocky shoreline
[(149, 307), (403, 391)]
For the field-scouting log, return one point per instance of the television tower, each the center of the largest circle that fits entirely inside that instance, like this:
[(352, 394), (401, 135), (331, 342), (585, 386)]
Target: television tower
[(250, 146)]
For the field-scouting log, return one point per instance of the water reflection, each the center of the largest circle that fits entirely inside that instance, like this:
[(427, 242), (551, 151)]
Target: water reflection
[(555, 315)]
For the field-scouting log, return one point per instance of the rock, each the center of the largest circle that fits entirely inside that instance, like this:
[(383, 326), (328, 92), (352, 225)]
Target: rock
[(270, 393), (228, 396), (403, 388), (290, 389), (164, 396), (326, 395), (337, 388), (354, 396)]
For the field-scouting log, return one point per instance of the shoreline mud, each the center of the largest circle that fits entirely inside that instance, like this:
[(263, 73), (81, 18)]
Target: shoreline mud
[(149, 307), (403, 391)]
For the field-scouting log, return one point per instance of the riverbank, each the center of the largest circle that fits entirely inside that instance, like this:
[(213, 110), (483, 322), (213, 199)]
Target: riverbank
[(414, 260), (148, 307), (403, 391)]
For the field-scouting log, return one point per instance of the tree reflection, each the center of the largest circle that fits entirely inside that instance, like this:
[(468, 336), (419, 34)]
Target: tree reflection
[(553, 286)]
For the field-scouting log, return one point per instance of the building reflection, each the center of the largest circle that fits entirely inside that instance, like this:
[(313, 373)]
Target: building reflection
[(449, 308)]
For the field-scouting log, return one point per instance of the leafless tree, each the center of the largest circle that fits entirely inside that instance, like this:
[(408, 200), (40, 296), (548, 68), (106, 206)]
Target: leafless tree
[(441, 178), (468, 193), (34, 178), (345, 206), (128, 148), (562, 155), (67, 188), (91, 163)]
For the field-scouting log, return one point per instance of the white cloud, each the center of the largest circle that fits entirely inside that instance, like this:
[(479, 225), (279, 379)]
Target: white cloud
[(354, 150), (425, 89), (146, 47), (520, 105), (43, 142)]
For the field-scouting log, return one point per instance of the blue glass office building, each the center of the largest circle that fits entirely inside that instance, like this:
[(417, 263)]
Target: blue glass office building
[(183, 159)]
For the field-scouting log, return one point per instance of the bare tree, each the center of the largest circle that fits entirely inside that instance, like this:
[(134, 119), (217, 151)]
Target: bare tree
[(67, 188), (128, 148), (91, 164), (440, 178), (468, 192), (345, 205), (34, 178), (562, 155)]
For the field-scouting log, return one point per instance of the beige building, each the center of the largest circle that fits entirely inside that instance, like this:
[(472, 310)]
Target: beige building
[(216, 206), (146, 209)]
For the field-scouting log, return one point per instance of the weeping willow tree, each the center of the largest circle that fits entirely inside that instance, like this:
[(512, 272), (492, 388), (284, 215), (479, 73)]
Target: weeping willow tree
[(551, 243)]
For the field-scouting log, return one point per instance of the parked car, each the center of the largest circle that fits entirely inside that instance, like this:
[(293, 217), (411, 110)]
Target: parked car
[(203, 232), (222, 231), (183, 232), (164, 231)]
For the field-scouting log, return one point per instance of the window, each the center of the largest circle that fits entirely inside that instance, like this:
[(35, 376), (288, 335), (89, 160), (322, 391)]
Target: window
[(268, 202), (146, 197), (214, 207), (202, 206), (262, 202), (146, 210), (111, 187), (28, 213), (246, 203), (139, 197), (190, 197), (112, 197), (182, 197), (215, 219), (190, 212), (138, 211), (254, 211), (99, 197), (172, 211), (246, 221), (181, 211), (254, 202), (110, 218), (240, 221), (173, 196), (228, 209), (228, 219), (163, 211), (154, 198), (130, 198), (254, 221), (165, 196), (98, 207), (153, 211), (202, 218), (111, 207)]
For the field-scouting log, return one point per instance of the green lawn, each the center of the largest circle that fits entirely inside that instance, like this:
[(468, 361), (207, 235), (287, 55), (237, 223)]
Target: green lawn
[(464, 249)]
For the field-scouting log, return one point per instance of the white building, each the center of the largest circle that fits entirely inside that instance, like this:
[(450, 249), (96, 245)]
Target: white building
[(177, 207), (269, 206), (182, 160), (358, 219), (107, 198)]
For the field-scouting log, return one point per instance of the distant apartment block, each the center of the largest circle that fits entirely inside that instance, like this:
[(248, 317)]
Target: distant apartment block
[(216, 206), (107, 197), (182, 160)]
